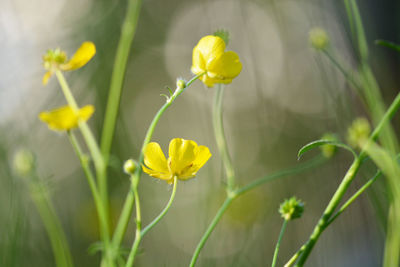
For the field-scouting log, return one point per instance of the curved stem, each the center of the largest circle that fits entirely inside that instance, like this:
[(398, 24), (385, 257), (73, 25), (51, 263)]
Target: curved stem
[(237, 193), (129, 201), (138, 235), (279, 242), (317, 161), (210, 229), (117, 78), (52, 224), (323, 222), (221, 139), (164, 211)]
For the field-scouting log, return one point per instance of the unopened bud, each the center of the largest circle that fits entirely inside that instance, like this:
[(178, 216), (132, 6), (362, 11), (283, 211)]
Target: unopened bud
[(291, 209), (318, 38), (358, 132), (180, 83), (23, 162), (223, 34), (130, 166), (328, 150)]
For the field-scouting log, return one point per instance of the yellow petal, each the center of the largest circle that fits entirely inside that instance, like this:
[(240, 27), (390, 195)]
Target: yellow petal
[(210, 47), (82, 56), (181, 154), (202, 156), (46, 77), (198, 62), (65, 118), (157, 174), (154, 158), (226, 66), (86, 112)]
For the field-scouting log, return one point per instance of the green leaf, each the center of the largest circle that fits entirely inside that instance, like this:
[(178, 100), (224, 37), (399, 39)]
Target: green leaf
[(388, 44), (323, 142)]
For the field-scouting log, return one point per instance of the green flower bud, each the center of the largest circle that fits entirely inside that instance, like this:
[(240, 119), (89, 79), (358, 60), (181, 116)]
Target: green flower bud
[(318, 38), (328, 150), (130, 166), (358, 132), (223, 34), (180, 83), (23, 162), (291, 209)]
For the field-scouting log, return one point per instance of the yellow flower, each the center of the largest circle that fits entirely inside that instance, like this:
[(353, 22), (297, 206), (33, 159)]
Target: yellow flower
[(57, 59), (185, 159), (65, 118), (210, 58)]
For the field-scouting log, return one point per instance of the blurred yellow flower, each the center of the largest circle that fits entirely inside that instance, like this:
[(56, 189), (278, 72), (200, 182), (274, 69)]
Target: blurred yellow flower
[(210, 58), (185, 159), (65, 118), (57, 59)]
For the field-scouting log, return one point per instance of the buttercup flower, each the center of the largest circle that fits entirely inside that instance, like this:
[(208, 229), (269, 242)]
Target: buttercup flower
[(210, 58), (65, 118), (185, 159), (57, 59)]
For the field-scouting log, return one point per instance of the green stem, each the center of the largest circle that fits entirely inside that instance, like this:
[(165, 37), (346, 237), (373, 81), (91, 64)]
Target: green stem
[(84, 160), (334, 202), (344, 72), (52, 224), (97, 159), (321, 225), (279, 242), (355, 196), (164, 211), (317, 161), (210, 229), (221, 139), (130, 199), (117, 78), (237, 193), (138, 235)]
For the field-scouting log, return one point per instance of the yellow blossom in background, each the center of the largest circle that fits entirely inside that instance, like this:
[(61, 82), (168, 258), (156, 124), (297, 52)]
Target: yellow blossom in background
[(185, 159), (65, 118), (57, 59), (210, 58)]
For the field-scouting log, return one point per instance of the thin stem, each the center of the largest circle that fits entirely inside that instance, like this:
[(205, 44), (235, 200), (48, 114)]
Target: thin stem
[(84, 160), (237, 193), (279, 242), (345, 73), (334, 202), (138, 235), (221, 139), (52, 225), (129, 201), (164, 211), (97, 159), (355, 196), (117, 78), (317, 161), (210, 229)]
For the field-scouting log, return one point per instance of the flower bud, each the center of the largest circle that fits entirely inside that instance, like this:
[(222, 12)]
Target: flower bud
[(318, 38), (358, 132), (180, 83), (130, 166), (328, 150), (223, 34), (23, 162), (291, 209)]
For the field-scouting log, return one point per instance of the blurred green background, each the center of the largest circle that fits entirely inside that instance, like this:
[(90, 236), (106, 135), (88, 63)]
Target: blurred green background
[(286, 96)]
